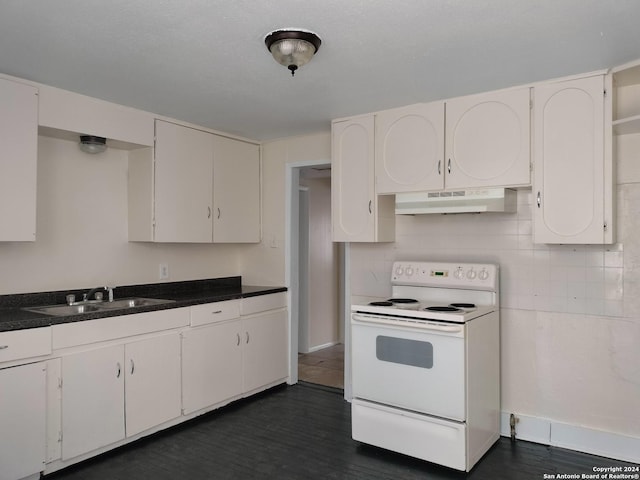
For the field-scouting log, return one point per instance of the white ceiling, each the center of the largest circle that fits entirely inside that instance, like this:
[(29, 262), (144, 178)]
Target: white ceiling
[(205, 62)]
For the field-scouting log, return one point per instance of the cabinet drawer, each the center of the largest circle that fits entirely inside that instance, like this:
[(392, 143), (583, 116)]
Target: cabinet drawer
[(214, 312), (263, 303), (19, 344)]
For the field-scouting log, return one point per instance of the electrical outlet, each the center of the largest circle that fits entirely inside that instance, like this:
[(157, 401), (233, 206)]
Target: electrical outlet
[(164, 271)]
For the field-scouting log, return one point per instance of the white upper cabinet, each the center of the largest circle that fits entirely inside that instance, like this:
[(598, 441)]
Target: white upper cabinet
[(357, 213), (18, 160), (573, 187), (183, 184), (488, 140), (236, 191), (194, 187), (409, 148)]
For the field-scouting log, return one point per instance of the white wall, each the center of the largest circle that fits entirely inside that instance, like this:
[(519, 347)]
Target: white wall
[(264, 264), (82, 231)]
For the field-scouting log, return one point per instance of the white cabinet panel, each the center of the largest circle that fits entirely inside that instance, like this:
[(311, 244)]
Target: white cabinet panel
[(22, 420), (152, 382), (236, 191), (92, 400), (225, 360), (357, 213), (211, 365), (409, 153), (570, 161), (18, 160), (111, 391), (183, 184), (265, 349), (488, 140)]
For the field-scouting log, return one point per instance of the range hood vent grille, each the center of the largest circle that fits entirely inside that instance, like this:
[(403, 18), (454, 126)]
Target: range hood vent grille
[(457, 201)]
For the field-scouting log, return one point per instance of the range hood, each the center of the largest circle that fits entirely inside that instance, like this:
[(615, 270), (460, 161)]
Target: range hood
[(475, 200)]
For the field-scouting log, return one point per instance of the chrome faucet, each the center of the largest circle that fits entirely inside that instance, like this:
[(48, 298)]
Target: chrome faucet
[(87, 296)]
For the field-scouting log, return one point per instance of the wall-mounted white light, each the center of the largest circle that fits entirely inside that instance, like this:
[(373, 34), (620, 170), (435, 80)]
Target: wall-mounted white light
[(92, 144)]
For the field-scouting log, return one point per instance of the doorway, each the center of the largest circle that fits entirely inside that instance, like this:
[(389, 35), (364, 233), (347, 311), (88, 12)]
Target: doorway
[(316, 272)]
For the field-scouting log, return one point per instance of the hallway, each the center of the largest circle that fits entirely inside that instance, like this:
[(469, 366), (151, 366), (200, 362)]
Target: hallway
[(323, 367)]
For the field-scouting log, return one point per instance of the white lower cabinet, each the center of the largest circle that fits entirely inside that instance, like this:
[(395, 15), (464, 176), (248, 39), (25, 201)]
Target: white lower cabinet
[(265, 349), (116, 391), (211, 365), (227, 359), (22, 420)]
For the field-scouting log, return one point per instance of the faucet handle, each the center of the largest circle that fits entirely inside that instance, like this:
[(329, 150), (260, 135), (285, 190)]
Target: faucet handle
[(71, 298), (110, 292)]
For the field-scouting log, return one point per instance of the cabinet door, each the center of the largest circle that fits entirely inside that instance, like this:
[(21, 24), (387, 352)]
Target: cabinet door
[(410, 149), (92, 400), (18, 161), (236, 191), (152, 384), (211, 365), (357, 214), (265, 349), (569, 163), (183, 184), (22, 420), (488, 140)]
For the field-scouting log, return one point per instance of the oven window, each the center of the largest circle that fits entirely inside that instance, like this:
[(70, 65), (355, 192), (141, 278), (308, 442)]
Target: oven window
[(404, 351)]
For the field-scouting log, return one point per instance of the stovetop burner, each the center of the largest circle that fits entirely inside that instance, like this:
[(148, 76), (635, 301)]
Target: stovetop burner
[(442, 309), (403, 301), (463, 305), (381, 304)]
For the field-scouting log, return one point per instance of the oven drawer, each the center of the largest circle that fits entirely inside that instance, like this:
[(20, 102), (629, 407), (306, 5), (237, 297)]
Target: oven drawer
[(432, 439), (408, 368)]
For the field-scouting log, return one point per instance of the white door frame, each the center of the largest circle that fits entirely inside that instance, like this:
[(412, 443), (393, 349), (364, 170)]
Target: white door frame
[(292, 211)]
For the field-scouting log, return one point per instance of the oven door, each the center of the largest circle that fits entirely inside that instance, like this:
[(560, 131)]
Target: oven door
[(418, 368)]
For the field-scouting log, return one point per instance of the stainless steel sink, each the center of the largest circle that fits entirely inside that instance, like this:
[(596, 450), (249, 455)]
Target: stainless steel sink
[(123, 303), (133, 302), (64, 310)]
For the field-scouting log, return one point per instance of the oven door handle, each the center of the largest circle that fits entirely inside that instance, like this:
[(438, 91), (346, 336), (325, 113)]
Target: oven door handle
[(394, 323)]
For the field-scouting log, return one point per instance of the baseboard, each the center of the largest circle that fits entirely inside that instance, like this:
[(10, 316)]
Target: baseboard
[(321, 347), (572, 437)]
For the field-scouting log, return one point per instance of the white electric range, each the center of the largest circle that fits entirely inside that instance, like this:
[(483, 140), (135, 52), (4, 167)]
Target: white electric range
[(426, 363)]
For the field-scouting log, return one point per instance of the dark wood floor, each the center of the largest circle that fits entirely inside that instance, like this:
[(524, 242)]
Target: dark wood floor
[(302, 432)]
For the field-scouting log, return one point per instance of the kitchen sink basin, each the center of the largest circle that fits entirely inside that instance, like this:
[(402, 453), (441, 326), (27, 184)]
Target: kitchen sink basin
[(124, 303), (133, 302), (64, 310)]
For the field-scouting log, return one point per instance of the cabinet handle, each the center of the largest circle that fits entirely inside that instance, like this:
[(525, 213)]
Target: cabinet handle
[(133, 366), (439, 165), (119, 370), (4, 347), (247, 333), (538, 200), (208, 212), (216, 312), (238, 335), (370, 207), (218, 213), (449, 166)]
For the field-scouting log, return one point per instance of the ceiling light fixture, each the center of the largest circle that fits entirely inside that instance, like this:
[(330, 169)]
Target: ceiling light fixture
[(292, 48), (92, 144)]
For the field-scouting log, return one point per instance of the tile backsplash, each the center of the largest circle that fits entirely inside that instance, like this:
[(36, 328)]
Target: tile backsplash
[(587, 279)]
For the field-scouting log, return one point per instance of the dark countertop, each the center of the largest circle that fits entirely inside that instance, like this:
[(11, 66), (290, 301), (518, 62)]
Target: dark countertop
[(182, 294)]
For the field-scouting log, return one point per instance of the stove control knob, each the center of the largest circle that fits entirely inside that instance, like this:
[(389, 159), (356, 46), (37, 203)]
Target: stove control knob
[(484, 274), (471, 274), (459, 273), (399, 270), (408, 271)]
